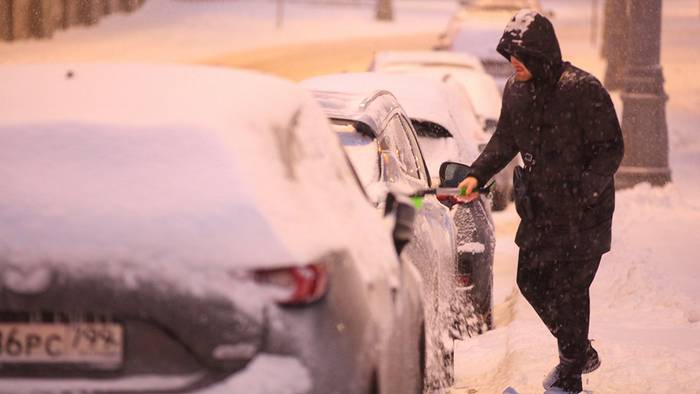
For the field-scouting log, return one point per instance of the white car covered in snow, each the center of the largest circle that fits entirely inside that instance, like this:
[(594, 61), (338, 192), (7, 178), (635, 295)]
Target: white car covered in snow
[(476, 30), (460, 68), (173, 228)]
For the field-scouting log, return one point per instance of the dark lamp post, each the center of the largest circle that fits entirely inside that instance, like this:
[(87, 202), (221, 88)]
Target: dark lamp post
[(615, 46), (385, 11), (644, 114)]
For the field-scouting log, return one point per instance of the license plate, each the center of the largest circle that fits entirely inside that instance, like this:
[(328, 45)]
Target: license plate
[(97, 344)]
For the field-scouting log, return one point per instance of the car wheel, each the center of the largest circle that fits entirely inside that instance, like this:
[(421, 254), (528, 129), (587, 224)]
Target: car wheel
[(374, 383), (422, 361), (485, 309), (483, 300)]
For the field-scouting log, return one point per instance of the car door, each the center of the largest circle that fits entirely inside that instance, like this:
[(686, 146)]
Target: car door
[(400, 289), (433, 249)]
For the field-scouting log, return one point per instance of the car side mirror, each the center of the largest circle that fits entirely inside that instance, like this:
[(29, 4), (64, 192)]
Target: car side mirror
[(404, 214), (452, 173)]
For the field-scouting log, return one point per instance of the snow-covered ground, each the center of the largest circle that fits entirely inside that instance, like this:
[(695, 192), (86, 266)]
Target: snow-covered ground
[(194, 31), (644, 300)]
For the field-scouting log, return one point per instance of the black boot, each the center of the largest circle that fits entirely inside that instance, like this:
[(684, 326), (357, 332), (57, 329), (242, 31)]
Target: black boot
[(592, 363), (566, 384), (592, 360)]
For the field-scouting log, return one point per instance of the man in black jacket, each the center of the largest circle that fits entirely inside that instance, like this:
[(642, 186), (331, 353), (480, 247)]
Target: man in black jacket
[(562, 122)]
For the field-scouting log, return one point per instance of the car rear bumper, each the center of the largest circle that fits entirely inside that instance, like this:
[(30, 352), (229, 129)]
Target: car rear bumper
[(171, 336)]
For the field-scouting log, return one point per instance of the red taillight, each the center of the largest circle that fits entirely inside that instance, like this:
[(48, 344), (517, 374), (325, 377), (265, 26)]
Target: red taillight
[(464, 280), (305, 284)]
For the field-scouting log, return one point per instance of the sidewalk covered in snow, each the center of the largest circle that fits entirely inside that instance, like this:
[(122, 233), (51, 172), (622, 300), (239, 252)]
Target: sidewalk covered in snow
[(644, 310)]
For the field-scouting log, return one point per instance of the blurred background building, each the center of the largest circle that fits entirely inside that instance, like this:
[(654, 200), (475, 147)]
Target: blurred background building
[(22, 19)]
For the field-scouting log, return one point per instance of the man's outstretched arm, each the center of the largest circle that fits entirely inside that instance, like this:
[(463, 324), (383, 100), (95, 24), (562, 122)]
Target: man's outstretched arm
[(499, 151)]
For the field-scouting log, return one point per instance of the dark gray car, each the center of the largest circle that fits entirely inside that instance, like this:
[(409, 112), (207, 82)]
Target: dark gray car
[(200, 229), (383, 148)]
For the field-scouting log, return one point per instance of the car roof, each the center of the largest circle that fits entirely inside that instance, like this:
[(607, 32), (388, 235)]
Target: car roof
[(369, 110), (174, 163), (141, 94), (503, 5), (421, 97), (426, 58)]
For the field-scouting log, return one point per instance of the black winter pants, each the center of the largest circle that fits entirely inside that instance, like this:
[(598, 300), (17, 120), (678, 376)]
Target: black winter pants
[(558, 291)]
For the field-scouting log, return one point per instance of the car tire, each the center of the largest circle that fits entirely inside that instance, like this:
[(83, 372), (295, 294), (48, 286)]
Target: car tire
[(374, 383), (485, 309), (422, 352), (483, 299)]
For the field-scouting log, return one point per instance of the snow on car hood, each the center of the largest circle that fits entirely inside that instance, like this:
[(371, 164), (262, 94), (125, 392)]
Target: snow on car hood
[(169, 165)]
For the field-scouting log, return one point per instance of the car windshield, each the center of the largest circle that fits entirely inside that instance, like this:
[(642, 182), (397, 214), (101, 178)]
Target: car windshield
[(361, 150), (430, 129)]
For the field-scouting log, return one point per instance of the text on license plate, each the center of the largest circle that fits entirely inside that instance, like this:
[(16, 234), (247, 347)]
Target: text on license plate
[(85, 343)]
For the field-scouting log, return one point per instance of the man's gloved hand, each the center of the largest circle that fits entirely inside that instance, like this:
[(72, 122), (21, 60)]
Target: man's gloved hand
[(469, 191)]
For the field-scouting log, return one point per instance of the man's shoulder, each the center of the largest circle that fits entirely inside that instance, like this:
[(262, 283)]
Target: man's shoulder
[(575, 78), (514, 87)]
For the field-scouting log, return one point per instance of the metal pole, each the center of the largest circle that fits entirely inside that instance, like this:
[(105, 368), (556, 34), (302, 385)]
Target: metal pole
[(615, 35), (594, 21), (644, 115), (385, 11), (280, 13)]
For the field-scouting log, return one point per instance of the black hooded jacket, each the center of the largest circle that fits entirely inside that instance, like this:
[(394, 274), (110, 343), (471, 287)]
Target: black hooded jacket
[(562, 119)]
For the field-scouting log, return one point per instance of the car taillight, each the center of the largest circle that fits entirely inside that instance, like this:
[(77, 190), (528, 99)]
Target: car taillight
[(464, 280), (303, 284)]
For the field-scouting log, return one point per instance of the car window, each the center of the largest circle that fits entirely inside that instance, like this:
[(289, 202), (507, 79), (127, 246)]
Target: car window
[(362, 151), (395, 139), (417, 153)]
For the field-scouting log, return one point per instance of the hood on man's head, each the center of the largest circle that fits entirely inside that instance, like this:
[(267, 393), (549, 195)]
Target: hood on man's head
[(530, 37)]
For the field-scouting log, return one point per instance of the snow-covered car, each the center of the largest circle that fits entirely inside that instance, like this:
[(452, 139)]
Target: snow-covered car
[(476, 31), (502, 5), (445, 130), (408, 60), (476, 28), (461, 68), (382, 145), (481, 97), (180, 228)]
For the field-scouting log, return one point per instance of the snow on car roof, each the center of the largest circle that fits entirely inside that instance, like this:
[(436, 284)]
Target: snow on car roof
[(166, 163), (388, 59), (503, 5), (480, 86), (422, 97), (141, 94), (341, 105), (369, 111)]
